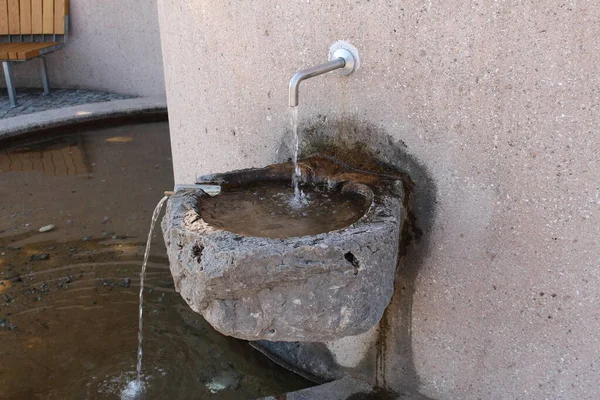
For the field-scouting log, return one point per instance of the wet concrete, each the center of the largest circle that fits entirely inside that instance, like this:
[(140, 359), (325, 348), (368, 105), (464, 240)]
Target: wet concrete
[(366, 146), (68, 297)]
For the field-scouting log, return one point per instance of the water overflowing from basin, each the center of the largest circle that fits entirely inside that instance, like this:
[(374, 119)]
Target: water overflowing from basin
[(138, 386)]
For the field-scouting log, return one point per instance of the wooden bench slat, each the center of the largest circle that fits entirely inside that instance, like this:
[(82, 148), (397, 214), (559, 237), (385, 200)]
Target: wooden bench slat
[(24, 50), (36, 17), (5, 48), (26, 17), (25, 14), (35, 51), (3, 17), (60, 11), (48, 17), (14, 23), (11, 52)]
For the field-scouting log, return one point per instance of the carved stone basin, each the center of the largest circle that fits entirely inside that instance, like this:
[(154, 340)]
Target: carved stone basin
[(313, 288)]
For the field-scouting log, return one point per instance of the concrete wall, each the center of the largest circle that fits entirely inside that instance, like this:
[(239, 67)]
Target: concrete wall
[(498, 99), (113, 46)]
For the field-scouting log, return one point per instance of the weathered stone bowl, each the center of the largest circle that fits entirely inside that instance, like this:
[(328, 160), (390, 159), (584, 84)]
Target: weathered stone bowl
[(311, 288)]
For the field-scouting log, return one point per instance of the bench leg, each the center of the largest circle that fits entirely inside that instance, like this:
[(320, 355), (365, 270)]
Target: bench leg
[(12, 95), (45, 80)]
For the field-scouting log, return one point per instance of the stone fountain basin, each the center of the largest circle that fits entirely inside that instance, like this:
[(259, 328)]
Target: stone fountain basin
[(311, 288)]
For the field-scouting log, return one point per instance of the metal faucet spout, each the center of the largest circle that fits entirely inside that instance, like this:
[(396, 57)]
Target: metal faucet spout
[(342, 60), (311, 72)]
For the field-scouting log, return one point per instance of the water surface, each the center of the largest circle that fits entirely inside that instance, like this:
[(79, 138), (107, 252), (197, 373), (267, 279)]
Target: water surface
[(69, 297), (266, 209)]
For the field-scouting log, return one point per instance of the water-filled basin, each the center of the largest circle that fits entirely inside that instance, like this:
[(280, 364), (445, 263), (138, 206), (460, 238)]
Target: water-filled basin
[(268, 209), (312, 278)]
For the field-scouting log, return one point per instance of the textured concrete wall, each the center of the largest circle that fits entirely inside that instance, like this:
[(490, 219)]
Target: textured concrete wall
[(498, 99), (113, 46)]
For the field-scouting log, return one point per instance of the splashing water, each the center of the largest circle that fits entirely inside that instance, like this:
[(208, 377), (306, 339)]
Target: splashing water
[(299, 199), (134, 388)]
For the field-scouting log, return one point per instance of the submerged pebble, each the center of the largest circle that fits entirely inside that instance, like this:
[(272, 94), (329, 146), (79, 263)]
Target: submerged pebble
[(47, 228), (5, 324), (226, 380), (39, 257)]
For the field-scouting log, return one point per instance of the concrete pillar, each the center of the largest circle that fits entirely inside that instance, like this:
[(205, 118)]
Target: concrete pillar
[(498, 100)]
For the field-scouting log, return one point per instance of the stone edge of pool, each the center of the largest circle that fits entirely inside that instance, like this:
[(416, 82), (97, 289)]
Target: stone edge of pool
[(15, 126)]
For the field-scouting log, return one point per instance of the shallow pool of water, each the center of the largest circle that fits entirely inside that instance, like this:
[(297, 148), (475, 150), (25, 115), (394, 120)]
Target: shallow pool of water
[(269, 209), (68, 297)]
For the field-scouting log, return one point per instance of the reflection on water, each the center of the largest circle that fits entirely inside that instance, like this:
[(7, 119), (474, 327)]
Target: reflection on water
[(68, 297), (63, 156)]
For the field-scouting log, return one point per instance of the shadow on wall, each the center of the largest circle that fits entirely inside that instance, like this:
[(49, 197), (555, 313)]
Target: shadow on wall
[(361, 145), (364, 146)]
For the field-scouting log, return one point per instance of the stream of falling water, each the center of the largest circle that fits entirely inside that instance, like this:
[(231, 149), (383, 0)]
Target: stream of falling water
[(136, 387), (298, 199)]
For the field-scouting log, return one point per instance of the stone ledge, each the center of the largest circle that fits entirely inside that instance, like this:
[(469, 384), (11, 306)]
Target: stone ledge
[(12, 127), (348, 388), (340, 389)]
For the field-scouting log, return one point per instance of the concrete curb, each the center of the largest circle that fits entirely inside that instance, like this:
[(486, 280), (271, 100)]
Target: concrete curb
[(347, 388), (16, 126), (340, 389)]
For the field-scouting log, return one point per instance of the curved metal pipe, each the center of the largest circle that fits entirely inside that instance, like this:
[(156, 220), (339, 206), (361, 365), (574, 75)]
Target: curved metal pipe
[(311, 72)]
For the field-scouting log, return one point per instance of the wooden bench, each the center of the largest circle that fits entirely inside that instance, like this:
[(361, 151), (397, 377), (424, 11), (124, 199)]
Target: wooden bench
[(31, 29)]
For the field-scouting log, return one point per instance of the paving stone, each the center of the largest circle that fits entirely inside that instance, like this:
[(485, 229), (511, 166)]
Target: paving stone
[(34, 100)]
